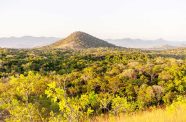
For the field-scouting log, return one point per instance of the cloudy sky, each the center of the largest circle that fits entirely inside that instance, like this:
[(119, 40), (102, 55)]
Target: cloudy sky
[(145, 19)]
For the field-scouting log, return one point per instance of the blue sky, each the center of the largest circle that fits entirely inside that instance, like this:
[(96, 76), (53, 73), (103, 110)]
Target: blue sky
[(145, 19)]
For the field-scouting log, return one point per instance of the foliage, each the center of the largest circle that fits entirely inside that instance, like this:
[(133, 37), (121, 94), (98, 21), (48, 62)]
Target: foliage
[(65, 85)]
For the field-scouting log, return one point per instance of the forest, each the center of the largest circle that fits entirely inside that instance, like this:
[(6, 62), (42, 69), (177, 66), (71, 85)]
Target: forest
[(56, 85)]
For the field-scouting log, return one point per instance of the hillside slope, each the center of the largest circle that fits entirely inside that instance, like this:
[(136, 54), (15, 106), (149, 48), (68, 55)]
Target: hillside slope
[(80, 40)]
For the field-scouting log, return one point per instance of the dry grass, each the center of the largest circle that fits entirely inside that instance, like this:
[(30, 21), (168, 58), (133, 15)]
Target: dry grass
[(173, 113)]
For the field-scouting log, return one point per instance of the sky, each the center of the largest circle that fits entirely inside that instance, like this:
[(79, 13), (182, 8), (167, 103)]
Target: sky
[(144, 19)]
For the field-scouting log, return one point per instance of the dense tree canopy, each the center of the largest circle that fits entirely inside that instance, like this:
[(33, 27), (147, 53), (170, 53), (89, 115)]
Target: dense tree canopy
[(65, 85)]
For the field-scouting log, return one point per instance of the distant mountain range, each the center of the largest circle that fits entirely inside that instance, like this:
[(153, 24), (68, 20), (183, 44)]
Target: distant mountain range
[(147, 44), (80, 39), (26, 42)]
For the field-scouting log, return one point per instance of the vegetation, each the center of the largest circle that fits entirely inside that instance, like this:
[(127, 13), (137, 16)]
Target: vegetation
[(173, 113), (80, 40), (65, 85)]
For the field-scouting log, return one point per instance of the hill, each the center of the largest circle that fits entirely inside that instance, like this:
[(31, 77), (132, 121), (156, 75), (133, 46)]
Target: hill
[(31, 42), (80, 40)]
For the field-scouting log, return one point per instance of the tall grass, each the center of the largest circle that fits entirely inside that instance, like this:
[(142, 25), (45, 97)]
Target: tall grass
[(173, 113)]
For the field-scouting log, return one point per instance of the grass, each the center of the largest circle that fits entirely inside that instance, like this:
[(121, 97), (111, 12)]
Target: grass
[(173, 113)]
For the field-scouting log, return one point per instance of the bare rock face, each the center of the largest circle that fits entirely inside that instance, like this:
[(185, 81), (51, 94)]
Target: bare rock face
[(80, 40)]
